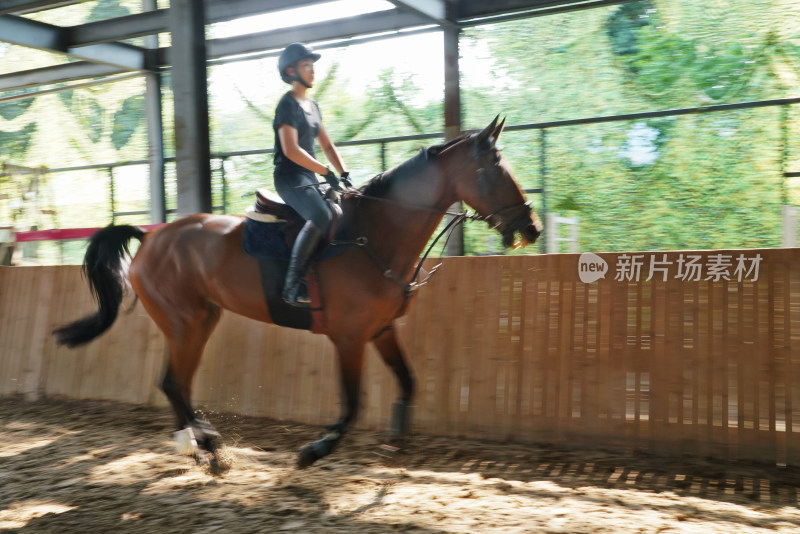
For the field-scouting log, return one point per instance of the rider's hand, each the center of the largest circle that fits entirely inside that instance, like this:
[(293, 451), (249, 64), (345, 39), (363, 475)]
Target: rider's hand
[(346, 180), (331, 178)]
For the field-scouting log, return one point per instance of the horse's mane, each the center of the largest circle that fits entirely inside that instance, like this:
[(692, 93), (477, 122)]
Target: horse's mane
[(380, 184)]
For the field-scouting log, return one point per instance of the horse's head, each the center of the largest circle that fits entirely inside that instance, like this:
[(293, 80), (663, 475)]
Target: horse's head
[(489, 187)]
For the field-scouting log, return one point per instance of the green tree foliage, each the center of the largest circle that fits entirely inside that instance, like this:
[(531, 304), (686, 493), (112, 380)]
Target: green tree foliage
[(699, 181), (13, 109), (87, 111), (106, 9), (14, 143), (127, 120)]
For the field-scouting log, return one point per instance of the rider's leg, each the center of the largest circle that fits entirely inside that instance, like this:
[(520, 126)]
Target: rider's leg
[(295, 290), (308, 202)]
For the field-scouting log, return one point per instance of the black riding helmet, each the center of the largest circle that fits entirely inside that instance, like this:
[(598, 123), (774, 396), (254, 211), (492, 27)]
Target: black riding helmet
[(289, 58)]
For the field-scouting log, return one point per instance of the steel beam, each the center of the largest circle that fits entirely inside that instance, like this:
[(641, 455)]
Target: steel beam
[(119, 28), (121, 55), (25, 32), (68, 72), (466, 9), (433, 10), (189, 87), (21, 31), (222, 10), (54, 90), (383, 21), (472, 12), (157, 21), (29, 6)]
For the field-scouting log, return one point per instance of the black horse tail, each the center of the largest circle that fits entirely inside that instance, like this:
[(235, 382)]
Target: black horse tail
[(104, 269)]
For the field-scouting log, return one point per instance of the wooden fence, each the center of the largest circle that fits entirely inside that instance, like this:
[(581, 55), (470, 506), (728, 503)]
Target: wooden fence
[(685, 351)]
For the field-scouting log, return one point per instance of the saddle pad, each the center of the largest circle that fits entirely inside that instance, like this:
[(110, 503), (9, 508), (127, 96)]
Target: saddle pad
[(265, 240)]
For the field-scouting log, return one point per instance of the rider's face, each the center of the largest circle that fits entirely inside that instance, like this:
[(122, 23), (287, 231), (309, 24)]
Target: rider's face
[(305, 70)]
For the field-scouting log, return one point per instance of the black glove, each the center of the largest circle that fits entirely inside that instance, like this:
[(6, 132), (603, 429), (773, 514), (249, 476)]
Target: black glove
[(331, 178), (346, 179)]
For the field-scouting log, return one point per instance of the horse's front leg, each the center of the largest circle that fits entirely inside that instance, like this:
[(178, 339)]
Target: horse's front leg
[(393, 356), (351, 360)]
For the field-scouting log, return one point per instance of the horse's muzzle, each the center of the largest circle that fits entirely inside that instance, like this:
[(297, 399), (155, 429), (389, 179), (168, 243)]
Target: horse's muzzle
[(529, 231), (519, 218)]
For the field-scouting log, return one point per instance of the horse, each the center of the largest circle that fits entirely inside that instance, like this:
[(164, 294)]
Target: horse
[(186, 272)]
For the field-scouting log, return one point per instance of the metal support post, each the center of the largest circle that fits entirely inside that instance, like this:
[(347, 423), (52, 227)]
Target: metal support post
[(155, 129), (452, 120), (189, 87), (543, 179), (113, 194)]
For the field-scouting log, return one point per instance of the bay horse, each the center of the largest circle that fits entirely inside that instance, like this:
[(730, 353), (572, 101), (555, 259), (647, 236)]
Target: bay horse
[(186, 272)]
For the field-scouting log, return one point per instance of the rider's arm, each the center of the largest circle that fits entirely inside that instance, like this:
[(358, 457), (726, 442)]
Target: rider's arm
[(329, 149), (292, 149)]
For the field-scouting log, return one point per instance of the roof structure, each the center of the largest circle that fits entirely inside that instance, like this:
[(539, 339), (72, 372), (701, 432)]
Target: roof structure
[(97, 48)]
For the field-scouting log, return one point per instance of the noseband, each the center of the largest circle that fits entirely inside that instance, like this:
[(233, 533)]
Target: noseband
[(510, 218)]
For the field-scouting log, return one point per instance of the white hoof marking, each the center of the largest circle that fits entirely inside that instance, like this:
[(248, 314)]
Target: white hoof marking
[(185, 442)]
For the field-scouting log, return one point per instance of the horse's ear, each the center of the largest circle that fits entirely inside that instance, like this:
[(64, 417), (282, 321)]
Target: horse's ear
[(499, 129), (488, 133)]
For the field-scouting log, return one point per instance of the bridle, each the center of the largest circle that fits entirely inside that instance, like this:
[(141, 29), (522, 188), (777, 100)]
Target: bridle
[(509, 218), (504, 219)]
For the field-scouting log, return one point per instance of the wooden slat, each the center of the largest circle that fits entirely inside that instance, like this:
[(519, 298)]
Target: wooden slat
[(502, 352), (59, 308), (793, 377), (460, 359), (483, 382), (155, 361), (34, 361), (566, 319), (589, 421), (75, 304), (659, 422), (13, 324), (679, 363)]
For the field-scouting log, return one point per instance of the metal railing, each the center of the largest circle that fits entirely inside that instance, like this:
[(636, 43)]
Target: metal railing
[(384, 142)]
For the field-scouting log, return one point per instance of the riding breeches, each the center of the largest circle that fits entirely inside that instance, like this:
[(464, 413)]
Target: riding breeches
[(300, 191)]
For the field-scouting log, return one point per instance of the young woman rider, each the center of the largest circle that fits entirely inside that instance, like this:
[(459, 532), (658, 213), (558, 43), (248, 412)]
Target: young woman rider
[(297, 124)]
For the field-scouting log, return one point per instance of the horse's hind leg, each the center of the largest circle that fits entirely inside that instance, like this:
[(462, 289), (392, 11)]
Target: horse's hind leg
[(187, 335), (393, 356)]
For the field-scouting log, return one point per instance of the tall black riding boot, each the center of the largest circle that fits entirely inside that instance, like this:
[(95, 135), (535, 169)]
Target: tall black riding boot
[(295, 290)]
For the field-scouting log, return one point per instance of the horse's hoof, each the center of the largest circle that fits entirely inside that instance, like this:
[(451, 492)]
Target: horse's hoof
[(306, 456), (203, 458), (185, 442), (214, 467), (386, 449)]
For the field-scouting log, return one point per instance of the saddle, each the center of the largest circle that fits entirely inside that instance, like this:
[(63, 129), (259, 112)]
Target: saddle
[(269, 207)]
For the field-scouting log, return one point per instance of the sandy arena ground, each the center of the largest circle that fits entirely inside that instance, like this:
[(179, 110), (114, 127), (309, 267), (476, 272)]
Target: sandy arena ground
[(97, 467)]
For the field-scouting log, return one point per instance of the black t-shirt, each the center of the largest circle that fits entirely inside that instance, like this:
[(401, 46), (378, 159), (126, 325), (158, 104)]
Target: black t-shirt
[(307, 125)]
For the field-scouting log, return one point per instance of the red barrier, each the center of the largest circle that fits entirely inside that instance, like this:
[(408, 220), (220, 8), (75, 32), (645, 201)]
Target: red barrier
[(60, 234)]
